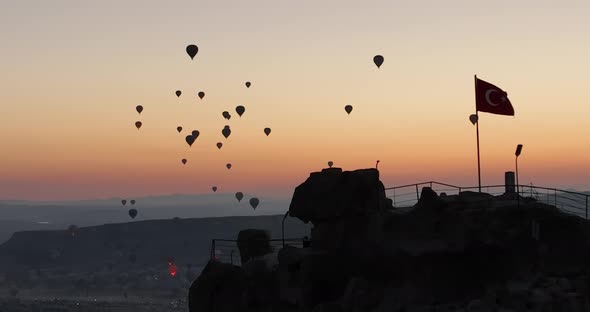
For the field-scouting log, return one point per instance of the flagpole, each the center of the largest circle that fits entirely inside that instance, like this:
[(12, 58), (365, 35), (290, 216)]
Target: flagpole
[(477, 133)]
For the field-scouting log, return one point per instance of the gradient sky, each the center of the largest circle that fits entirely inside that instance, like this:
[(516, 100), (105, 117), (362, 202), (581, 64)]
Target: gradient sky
[(72, 73)]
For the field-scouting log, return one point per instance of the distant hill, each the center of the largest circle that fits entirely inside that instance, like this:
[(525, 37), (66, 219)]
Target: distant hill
[(187, 240), (34, 215)]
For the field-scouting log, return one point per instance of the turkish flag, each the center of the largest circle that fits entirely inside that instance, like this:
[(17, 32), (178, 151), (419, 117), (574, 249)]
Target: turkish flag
[(491, 99)]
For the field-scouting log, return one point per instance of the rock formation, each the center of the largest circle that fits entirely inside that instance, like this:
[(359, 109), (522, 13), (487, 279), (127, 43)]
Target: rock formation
[(470, 251)]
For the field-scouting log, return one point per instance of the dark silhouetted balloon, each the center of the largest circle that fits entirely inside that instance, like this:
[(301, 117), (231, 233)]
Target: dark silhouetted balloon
[(254, 202), (192, 50), (132, 202), (214, 189), (195, 134), (267, 131), (132, 213), (190, 140), (201, 95), (138, 124), (132, 258), (239, 196), (184, 161), (226, 115), (330, 164), (124, 202), (178, 129), (378, 60), (219, 145), (473, 118), (228, 166), (240, 110), (248, 84), (226, 131), (348, 108), (178, 93), (139, 108)]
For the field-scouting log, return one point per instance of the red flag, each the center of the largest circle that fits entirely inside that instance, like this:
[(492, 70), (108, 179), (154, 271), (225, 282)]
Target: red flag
[(491, 99)]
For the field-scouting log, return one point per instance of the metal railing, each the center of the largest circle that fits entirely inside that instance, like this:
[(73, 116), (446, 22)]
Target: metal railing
[(406, 196), (227, 251)]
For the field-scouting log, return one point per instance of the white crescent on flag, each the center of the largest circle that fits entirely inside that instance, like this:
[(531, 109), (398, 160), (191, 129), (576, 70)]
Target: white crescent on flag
[(489, 97)]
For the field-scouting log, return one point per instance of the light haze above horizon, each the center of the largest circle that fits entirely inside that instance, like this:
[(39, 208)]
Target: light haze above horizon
[(73, 73)]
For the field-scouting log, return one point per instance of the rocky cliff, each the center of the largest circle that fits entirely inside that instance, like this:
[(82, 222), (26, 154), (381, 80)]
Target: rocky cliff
[(466, 251)]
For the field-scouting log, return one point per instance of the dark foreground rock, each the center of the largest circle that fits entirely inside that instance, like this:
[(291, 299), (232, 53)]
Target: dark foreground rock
[(465, 252)]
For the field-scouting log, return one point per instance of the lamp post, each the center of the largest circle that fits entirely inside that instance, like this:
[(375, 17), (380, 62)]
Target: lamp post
[(517, 153)]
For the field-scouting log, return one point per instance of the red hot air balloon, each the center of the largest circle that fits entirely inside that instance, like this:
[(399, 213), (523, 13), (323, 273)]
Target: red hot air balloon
[(172, 269)]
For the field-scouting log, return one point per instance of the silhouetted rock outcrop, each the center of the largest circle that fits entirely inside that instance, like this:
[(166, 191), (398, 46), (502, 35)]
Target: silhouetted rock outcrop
[(471, 251), (253, 243)]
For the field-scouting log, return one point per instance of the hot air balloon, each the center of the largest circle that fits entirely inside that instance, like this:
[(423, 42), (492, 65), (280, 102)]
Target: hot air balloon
[(195, 134), (190, 139), (132, 202), (378, 60), (192, 50), (123, 202), (330, 164), (138, 124), (248, 84), (214, 189), (201, 94), (172, 269), (228, 166), (254, 202), (473, 118), (184, 161), (240, 110), (178, 93), (219, 145), (132, 258), (132, 213), (139, 108), (179, 128), (239, 196), (226, 115), (348, 108), (267, 131), (226, 131)]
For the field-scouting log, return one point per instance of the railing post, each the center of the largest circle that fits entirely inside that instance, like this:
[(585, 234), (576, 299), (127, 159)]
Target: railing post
[(587, 207), (417, 194), (283, 227), (212, 256), (555, 197)]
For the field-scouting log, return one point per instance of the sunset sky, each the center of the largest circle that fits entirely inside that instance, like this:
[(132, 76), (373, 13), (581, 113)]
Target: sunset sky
[(72, 73)]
